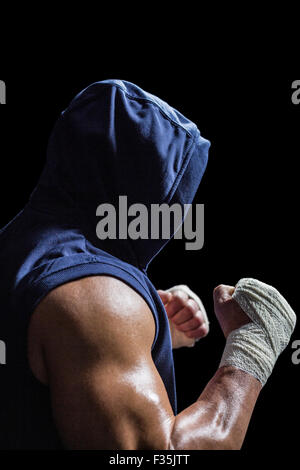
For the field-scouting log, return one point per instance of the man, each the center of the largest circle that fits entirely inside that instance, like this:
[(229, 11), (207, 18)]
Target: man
[(89, 356)]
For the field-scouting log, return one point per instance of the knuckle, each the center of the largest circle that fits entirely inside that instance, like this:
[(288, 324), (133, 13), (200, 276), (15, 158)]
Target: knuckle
[(190, 309), (219, 288), (196, 323), (199, 332), (199, 320), (180, 301), (219, 291), (204, 330), (193, 306)]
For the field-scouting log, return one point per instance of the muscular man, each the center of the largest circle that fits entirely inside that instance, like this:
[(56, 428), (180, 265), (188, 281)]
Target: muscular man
[(89, 345), (94, 352)]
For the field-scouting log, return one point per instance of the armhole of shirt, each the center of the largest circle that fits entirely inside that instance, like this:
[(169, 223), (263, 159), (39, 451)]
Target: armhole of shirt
[(33, 289)]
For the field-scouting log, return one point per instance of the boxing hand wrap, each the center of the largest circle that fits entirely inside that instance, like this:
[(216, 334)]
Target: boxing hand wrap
[(195, 297), (255, 347)]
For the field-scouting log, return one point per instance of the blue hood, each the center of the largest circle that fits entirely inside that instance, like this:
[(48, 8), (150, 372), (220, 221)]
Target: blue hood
[(113, 140), (116, 139)]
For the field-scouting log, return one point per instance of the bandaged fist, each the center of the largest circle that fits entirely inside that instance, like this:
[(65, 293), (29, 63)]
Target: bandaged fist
[(187, 321)]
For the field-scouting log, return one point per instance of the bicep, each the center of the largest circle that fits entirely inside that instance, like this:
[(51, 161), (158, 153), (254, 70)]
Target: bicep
[(105, 389), (112, 407)]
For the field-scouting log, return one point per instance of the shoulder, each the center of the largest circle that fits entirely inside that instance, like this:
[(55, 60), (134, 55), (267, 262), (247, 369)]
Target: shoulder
[(98, 316)]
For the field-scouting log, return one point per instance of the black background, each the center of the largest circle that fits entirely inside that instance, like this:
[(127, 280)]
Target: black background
[(250, 191)]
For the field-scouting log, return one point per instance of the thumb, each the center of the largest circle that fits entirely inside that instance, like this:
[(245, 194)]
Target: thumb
[(165, 296)]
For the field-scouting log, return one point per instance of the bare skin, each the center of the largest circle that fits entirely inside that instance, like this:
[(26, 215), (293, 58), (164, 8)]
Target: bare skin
[(90, 341), (185, 318)]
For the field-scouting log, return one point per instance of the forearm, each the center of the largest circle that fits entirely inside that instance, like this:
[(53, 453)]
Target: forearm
[(218, 420), (220, 417)]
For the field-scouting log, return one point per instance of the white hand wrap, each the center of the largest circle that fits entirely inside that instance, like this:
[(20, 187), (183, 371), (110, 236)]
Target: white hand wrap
[(255, 347), (195, 297)]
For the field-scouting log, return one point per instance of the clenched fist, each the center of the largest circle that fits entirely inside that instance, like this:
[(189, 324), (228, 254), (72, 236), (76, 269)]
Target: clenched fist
[(185, 318), (228, 312)]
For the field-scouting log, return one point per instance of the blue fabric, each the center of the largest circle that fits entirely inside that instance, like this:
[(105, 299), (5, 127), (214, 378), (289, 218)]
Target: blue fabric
[(114, 139)]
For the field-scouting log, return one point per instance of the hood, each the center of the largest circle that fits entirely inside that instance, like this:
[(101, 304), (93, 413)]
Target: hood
[(115, 139)]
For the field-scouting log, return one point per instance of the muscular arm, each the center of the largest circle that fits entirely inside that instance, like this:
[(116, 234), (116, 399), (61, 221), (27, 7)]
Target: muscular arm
[(90, 341)]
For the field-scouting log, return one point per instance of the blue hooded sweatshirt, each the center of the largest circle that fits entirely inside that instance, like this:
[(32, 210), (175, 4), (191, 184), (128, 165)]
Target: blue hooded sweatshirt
[(114, 139)]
